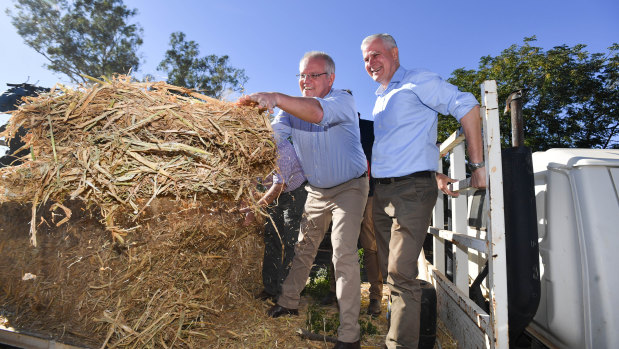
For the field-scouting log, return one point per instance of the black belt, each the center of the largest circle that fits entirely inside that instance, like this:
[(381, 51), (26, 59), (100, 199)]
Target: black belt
[(419, 174), (364, 174)]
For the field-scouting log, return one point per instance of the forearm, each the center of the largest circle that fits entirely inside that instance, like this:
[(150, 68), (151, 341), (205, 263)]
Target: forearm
[(265, 200), (472, 131), (304, 108), (273, 193)]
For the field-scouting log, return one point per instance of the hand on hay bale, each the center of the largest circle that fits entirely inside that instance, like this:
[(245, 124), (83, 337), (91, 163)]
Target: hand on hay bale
[(248, 102), (119, 144), (250, 217), (253, 214), (267, 199)]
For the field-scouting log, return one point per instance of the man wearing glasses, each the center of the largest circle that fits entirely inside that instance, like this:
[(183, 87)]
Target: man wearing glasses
[(324, 127)]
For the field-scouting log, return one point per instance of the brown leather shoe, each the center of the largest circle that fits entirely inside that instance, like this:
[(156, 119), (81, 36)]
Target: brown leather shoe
[(277, 311), (374, 307), (344, 345)]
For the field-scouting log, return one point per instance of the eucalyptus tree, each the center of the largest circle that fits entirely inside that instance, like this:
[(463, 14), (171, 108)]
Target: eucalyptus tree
[(211, 75), (91, 37), (571, 96)]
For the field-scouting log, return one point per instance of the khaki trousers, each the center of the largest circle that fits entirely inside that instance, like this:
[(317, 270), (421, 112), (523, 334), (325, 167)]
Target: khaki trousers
[(402, 213), (367, 240), (344, 205)]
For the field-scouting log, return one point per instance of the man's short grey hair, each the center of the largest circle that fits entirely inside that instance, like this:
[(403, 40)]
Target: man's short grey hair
[(387, 39), (329, 64)]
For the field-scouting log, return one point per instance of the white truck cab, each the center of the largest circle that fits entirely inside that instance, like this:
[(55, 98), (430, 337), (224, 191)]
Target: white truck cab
[(577, 199)]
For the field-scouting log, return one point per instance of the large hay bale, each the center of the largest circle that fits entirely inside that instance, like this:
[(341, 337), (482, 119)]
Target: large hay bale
[(163, 172), (118, 144)]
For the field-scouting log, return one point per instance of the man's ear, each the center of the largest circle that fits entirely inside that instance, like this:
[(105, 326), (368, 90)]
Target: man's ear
[(395, 54), (331, 79)]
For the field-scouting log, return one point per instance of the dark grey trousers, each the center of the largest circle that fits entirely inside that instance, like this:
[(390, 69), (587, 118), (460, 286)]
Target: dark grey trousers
[(279, 243)]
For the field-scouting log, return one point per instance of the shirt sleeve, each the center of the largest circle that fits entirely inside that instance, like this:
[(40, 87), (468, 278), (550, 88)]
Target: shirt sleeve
[(338, 106), (285, 163), (277, 178), (442, 96), (281, 126)]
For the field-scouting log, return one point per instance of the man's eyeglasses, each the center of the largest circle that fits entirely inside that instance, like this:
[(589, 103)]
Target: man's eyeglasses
[(308, 76)]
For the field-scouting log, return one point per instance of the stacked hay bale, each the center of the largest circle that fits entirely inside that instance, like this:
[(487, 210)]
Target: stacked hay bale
[(149, 177), (119, 145)]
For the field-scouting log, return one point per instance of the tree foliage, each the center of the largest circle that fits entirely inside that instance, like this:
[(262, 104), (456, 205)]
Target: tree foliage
[(89, 37), (211, 74), (571, 100)]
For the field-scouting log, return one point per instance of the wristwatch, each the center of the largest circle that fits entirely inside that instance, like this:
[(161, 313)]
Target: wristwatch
[(474, 166)]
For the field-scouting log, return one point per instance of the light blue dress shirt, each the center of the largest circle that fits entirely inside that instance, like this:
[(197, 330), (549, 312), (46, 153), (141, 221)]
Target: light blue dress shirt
[(406, 118), (330, 152)]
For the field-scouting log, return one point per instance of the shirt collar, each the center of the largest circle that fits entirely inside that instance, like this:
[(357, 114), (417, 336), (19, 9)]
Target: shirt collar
[(396, 78), (328, 94)]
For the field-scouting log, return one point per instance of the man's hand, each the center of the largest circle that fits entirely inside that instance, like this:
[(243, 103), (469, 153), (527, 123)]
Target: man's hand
[(266, 100), (478, 178), (442, 181), (250, 217)]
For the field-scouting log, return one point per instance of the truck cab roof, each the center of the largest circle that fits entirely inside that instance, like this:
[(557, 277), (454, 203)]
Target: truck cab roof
[(571, 157)]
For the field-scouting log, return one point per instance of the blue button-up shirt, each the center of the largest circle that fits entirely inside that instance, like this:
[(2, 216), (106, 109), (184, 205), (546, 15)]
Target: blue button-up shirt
[(406, 118), (330, 152)]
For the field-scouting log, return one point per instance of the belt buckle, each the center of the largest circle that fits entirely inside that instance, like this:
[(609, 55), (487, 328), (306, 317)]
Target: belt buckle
[(387, 180)]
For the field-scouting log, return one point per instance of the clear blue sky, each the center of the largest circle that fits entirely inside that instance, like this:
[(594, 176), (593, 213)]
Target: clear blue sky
[(267, 38)]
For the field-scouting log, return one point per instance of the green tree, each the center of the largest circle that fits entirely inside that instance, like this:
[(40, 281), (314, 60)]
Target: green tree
[(89, 37), (210, 75), (571, 100)]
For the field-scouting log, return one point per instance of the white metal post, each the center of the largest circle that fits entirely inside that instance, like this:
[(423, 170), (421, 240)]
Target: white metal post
[(459, 220), (496, 222), (438, 218)]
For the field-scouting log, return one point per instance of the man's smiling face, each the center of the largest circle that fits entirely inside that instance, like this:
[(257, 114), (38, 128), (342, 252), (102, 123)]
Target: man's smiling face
[(319, 86), (380, 62)]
